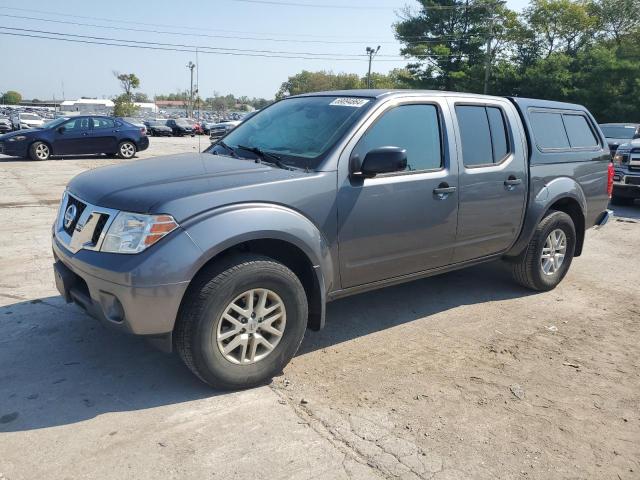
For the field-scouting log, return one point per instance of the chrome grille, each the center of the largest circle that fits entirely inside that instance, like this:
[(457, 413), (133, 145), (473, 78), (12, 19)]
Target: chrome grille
[(88, 226)]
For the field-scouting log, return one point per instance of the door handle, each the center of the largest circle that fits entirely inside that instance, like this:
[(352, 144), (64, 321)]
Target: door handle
[(443, 191), (85, 134), (511, 182)]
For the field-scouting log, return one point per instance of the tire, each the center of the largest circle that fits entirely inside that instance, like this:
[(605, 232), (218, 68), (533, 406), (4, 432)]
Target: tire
[(126, 150), (528, 269), (200, 322), (39, 151), (622, 201)]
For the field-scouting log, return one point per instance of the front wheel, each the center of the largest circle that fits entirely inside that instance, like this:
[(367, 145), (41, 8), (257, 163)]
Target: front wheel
[(549, 253), (126, 150), (39, 151), (242, 322)]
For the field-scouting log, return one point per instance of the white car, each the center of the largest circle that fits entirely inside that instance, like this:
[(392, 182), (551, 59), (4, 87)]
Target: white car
[(29, 120)]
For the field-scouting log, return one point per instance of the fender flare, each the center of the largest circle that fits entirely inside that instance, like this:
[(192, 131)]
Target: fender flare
[(556, 190)]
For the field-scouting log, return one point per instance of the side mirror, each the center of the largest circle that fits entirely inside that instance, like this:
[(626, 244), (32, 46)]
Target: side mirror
[(61, 129), (381, 160)]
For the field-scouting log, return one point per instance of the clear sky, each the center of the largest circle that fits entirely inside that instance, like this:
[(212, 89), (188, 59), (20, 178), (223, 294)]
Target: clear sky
[(39, 68)]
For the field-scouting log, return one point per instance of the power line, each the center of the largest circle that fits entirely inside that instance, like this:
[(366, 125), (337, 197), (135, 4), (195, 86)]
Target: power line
[(353, 7), (167, 47), (420, 39), (191, 47)]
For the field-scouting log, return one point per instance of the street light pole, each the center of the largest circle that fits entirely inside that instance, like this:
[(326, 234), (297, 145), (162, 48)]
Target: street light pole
[(191, 66), (372, 52)]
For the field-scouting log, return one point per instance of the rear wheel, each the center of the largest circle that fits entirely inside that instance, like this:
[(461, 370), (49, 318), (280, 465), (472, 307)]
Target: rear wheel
[(39, 151), (242, 322), (126, 150), (549, 254)]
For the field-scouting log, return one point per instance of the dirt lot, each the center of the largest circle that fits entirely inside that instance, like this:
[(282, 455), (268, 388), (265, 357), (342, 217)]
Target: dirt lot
[(459, 376)]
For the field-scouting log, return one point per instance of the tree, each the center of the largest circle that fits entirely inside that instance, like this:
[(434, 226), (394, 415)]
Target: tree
[(11, 97), (306, 81), (141, 97), (128, 82), (123, 107)]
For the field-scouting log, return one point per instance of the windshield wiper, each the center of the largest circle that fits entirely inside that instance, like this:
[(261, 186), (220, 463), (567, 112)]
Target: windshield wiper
[(264, 156), (230, 149)]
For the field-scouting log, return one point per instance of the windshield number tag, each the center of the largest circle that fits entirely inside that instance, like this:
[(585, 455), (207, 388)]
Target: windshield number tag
[(350, 102)]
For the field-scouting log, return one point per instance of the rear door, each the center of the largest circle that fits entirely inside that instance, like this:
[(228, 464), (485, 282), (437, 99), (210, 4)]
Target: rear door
[(397, 224), (104, 135), (72, 137), (493, 176)]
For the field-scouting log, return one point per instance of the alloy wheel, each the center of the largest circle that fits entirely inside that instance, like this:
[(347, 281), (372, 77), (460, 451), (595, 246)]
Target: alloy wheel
[(553, 252), (127, 150), (251, 326), (42, 151)]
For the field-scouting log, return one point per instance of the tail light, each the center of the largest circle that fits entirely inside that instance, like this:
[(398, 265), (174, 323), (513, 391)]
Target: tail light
[(143, 131), (610, 173)]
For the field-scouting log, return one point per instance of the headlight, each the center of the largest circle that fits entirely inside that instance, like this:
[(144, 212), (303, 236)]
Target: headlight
[(18, 138), (134, 232)]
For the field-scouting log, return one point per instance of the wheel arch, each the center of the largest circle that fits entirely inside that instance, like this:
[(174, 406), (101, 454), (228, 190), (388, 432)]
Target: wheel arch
[(41, 140), (273, 231), (562, 194)]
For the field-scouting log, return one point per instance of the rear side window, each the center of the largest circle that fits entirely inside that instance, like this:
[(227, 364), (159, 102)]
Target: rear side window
[(562, 130), (103, 123), (579, 132), (548, 130), (415, 128), (484, 134)]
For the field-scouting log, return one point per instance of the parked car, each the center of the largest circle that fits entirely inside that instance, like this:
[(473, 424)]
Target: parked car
[(22, 120), (626, 180), (5, 125), (158, 128), (229, 255), (180, 127), (136, 122), (76, 135), (219, 130), (619, 133)]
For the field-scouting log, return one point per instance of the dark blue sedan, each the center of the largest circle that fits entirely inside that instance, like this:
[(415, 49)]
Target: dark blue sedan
[(76, 136)]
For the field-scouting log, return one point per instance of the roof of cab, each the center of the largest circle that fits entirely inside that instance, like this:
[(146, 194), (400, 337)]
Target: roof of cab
[(523, 103)]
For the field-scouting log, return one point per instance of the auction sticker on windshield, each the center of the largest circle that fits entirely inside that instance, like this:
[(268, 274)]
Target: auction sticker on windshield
[(350, 102)]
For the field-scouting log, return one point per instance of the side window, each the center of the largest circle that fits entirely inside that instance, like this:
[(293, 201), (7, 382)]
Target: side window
[(476, 135), (415, 128), (548, 130), (79, 123), (579, 133), (103, 123), (499, 136)]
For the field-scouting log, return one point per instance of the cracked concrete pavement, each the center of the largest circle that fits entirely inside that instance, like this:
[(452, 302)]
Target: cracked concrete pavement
[(409, 382)]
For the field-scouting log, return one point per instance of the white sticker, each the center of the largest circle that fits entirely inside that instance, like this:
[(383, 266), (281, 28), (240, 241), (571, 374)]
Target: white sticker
[(350, 102)]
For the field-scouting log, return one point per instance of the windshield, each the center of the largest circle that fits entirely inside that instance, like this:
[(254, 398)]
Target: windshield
[(56, 122), (182, 122), (131, 120), (156, 124), (300, 130), (618, 131), (29, 116)]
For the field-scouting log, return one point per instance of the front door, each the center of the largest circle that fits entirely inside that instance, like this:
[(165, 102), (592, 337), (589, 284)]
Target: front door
[(405, 222), (493, 177), (72, 137)]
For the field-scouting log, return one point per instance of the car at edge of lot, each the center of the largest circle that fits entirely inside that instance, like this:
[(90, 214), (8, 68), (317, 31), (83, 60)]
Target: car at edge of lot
[(158, 128), (136, 122), (619, 133), (25, 120), (180, 127), (219, 130), (5, 125), (79, 135), (228, 256), (626, 180)]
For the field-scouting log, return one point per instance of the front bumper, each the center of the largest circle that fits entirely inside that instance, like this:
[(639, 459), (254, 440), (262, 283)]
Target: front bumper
[(626, 183), (14, 149), (138, 310)]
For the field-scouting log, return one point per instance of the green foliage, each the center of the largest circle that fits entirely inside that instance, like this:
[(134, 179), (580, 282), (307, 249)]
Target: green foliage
[(124, 107), (128, 82), (305, 82), (584, 51), (11, 97)]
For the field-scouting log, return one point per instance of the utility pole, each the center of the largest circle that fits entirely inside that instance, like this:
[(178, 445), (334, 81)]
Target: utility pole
[(191, 66), (372, 52)]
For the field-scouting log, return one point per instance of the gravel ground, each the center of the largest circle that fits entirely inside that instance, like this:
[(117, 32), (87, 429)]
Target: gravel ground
[(463, 375)]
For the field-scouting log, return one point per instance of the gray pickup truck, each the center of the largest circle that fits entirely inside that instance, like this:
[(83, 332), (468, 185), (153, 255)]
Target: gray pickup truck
[(228, 256)]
